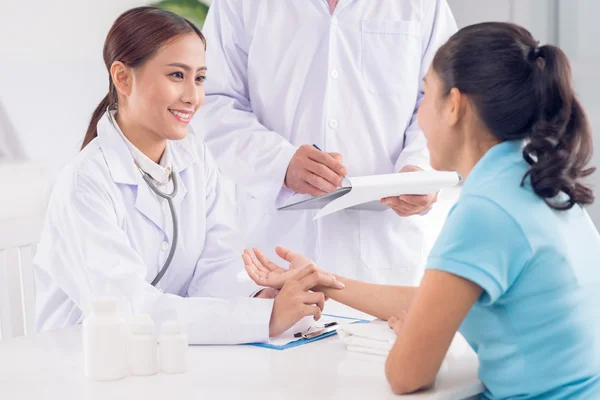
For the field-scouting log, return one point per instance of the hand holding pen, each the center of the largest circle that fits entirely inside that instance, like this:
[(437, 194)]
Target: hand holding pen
[(315, 172)]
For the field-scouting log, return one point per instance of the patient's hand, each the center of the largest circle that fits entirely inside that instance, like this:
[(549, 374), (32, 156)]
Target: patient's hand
[(396, 323), (296, 260), (264, 272)]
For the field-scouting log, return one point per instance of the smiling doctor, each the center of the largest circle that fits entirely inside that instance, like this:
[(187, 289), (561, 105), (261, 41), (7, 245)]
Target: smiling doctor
[(140, 214)]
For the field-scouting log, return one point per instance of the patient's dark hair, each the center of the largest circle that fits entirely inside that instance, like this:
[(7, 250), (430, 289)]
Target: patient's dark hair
[(522, 91), (135, 37)]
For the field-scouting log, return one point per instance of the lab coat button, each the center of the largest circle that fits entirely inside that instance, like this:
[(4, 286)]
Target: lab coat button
[(334, 74), (164, 245), (333, 123)]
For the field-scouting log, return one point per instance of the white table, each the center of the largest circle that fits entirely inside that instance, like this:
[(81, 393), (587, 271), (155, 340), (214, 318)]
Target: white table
[(50, 366)]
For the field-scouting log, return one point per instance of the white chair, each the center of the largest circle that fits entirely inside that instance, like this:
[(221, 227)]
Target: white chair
[(22, 209), (11, 147), (18, 242)]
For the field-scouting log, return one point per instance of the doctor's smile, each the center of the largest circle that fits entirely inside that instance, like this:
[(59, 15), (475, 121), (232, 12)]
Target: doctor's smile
[(182, 116)]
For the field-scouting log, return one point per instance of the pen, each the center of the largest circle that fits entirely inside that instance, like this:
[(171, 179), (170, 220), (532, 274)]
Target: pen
[(327, 325)]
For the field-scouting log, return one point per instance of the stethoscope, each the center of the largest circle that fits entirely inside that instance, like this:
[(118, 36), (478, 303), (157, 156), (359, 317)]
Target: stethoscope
[(167, 196)]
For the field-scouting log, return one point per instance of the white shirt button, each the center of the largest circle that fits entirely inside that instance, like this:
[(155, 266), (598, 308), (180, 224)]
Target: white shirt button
[(334, 74), (333, 123), (164, 245), (334, 20)]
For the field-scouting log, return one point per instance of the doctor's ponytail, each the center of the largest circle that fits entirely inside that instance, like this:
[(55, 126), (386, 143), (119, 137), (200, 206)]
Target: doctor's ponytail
[(522, 91), (91, 132), (135, 37)]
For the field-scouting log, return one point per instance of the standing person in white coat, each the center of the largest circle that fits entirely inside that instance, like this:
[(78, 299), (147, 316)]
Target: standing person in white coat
[(108, 233), (346, 76)]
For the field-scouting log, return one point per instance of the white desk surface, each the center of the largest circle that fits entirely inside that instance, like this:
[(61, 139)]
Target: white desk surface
[(50, 366)]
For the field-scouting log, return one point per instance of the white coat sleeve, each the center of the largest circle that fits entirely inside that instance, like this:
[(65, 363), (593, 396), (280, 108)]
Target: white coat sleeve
[(220, 269), (244, 149), (438, 25), (92, 257)]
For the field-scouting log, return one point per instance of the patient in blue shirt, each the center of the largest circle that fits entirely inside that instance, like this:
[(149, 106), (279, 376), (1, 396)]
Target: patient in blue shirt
[(516, 268), (535, 327), (519, 231)]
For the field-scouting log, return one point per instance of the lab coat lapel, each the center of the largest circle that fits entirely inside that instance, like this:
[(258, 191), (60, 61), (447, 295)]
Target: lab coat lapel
[(151, 206), (183, 154), (155, 208), (124, 171)]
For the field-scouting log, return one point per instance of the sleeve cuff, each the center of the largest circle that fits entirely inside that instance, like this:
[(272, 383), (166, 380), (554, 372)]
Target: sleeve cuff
[(283, 196), (258, 328), (281, 193), (491, 287), (247, 288), (235, 321)]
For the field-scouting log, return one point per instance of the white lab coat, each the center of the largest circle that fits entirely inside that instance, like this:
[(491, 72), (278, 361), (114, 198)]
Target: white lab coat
[(287, 73), (107, 233)]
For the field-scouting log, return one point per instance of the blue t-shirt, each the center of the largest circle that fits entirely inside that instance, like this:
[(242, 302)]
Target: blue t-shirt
[(536, 327)]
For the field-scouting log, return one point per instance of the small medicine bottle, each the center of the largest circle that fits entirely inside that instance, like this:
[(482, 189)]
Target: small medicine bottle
[(173, 345), (143, 347), (104, 341)]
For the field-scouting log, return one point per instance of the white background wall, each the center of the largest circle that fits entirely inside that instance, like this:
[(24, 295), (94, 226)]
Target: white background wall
[(52, 75), (579, 31)]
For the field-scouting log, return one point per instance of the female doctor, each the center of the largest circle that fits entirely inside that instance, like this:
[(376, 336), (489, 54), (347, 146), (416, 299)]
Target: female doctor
[(109, 229), (515, 267)]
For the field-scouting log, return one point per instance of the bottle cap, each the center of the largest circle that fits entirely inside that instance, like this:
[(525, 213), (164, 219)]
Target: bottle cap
[(172, 327), (105, 305), (142, 324)]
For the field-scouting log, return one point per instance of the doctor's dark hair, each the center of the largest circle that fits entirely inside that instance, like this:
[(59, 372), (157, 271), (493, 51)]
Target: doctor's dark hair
[(522, 91), (135, 37)]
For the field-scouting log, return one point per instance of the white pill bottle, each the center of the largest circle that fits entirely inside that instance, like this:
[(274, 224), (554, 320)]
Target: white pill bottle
[(173, 345), (105, 341), (143, 347)]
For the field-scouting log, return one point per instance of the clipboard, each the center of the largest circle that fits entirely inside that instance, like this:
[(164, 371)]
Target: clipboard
[(365, 192), (287, 341)]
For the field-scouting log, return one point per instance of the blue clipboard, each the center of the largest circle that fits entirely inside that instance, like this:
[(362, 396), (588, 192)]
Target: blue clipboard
[(301, 342)]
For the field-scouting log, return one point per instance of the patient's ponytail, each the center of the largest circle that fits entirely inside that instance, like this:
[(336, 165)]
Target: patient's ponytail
[(522, 91), (560, 145)]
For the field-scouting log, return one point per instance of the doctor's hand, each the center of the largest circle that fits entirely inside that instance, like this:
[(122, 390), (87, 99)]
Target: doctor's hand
[(266, 273), (314, 172), (407, 205), (295, 302)]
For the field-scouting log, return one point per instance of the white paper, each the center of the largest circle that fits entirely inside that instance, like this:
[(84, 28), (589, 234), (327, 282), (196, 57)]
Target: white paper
[(366, 189)]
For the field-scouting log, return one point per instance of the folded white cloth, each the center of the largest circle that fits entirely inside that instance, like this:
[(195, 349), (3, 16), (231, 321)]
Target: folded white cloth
[(376, 337)]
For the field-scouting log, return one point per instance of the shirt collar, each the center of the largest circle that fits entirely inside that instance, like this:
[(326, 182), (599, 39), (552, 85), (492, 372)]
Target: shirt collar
[(121, 155), (495, 160), (159, 172)]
